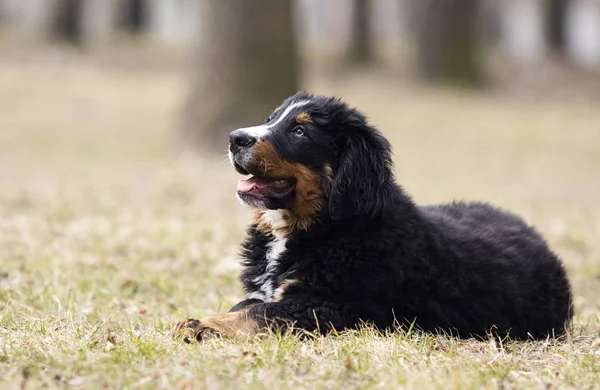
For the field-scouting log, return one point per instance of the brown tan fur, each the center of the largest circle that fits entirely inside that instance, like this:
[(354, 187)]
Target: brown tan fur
[(283, 287), (260, 223), (265, 226), (328, 174), (225, 324), (303, 117), (309, 192)]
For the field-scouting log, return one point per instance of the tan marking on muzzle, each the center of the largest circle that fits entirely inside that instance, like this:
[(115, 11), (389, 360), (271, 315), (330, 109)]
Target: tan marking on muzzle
[(310, 195)]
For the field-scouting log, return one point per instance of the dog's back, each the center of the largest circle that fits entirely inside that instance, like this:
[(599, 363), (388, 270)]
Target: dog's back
[(495, 266)]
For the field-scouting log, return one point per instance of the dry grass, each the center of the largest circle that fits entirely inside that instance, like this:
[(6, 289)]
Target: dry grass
[(106, 240)]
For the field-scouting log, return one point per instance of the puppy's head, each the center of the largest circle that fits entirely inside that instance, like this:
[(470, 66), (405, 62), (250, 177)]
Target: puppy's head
[(314, 157)]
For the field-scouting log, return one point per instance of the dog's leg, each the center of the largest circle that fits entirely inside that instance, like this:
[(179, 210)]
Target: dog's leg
[(230, 324), (299, 312), (245, 304)]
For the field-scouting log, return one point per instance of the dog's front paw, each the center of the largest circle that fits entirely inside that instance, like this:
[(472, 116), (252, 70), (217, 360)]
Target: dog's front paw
[(191, 329)]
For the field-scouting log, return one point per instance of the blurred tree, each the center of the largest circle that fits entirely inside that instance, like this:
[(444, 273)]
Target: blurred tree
[(246, 64), (360, 51), (447, 50), (98, 21), (83, 22), (67, 21), (556, 11), (4, 12), (133, 15)]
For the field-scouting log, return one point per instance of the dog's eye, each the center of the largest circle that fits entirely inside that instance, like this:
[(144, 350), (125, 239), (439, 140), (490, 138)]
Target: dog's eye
[(298, 130)]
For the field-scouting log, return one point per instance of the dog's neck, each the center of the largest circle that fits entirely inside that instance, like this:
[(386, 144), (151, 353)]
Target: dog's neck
[(276, 222), (283, 222)]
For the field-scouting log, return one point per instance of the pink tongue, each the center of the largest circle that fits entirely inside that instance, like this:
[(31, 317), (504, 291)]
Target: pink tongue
[(251, 184)]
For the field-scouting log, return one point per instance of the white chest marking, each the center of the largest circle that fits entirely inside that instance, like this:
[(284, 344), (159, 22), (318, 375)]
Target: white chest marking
[(276, 248)]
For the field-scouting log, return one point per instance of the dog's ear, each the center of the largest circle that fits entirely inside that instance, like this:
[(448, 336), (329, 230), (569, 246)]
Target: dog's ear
[(363, 183)]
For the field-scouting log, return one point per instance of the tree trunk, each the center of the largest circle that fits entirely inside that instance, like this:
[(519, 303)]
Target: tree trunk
[(35, 18), (80, 22), (133, 15), (447, 50), (360, 48), (67, 21), (556, 11), (246, 65), (98, 21), (5, 12)]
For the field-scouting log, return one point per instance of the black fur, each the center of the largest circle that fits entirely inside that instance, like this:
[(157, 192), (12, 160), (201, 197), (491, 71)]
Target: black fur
[(465, 269)]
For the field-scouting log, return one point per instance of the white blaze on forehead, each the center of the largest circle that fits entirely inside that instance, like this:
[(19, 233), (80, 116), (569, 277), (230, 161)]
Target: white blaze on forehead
[(261, 131), (287, 111)]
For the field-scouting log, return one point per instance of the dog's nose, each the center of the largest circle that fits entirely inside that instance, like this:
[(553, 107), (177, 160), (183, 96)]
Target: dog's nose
[(241, 139)]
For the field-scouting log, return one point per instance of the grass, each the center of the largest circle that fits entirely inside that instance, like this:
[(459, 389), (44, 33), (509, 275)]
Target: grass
[(107, 239)]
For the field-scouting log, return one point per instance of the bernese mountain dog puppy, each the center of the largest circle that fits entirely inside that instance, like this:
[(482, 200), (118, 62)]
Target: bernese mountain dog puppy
[(336, 243)]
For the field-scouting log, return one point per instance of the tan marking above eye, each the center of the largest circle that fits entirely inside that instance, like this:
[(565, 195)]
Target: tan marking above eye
[(303, 117)]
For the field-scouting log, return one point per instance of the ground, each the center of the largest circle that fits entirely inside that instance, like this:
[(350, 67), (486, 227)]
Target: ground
[(108, 237)]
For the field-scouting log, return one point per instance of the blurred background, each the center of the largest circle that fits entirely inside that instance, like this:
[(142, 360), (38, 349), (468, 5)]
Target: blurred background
[(239, 59), (114, 116)]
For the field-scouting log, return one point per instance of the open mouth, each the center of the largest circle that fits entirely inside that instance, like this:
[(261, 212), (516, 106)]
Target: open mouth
[(260, 186), (264, 187)]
